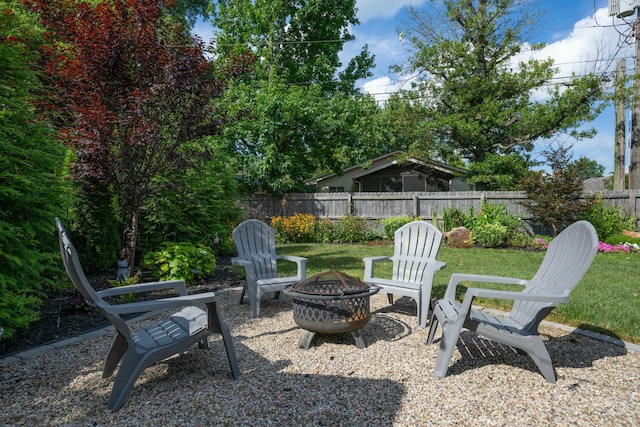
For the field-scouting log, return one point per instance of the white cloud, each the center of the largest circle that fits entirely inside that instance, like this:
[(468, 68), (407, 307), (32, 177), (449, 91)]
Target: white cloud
[(385, 9), (380, 88), (592, 45)]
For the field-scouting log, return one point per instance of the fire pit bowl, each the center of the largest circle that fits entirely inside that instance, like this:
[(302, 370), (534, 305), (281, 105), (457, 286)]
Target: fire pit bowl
[(331, 303)]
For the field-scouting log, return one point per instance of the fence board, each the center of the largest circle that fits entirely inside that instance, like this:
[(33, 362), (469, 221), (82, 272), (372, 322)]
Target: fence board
[(427, 205)]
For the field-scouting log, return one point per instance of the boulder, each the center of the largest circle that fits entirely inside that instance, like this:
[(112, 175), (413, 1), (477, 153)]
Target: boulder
[(459, 237), (631, 234)]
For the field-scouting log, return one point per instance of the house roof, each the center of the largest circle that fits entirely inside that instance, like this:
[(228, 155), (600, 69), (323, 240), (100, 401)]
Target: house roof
[(388, 160)]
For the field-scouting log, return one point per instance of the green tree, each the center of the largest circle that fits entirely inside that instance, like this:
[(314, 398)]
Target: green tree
[(499, 172), (478, 100), (587, 168), (194, 205), (137, 88), (555, 199), (299, 112), (30, 191)]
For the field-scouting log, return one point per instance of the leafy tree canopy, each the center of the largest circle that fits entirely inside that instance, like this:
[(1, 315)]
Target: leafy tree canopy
[(299, 111), (30, 190), (499, 172), (135, 88), (479, 100), (588, 168)]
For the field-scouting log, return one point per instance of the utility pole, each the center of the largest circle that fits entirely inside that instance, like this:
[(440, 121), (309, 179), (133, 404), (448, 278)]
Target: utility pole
[(626, 9), (620, 134), (634, 164)]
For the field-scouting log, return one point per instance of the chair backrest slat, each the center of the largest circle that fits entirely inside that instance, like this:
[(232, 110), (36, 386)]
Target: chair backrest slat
[(256, 242), (567, 259), (416, 245), (81, 283)]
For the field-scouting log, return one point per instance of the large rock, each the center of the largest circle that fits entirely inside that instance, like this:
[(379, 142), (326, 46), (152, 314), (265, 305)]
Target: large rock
[(459, 237), (631, 234)]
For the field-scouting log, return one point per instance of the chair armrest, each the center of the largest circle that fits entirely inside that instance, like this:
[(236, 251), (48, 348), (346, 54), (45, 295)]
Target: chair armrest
[(163, 303), (249, 269), (456, 278), (178, 285), (239, 261), (515, 295), (369, 265), (438, 265), (300, 261)]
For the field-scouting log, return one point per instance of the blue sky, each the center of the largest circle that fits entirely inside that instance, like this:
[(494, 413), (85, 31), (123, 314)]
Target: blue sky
[(580, 35)]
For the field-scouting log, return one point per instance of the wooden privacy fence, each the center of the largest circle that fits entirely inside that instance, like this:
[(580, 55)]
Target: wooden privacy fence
[(426, 205)]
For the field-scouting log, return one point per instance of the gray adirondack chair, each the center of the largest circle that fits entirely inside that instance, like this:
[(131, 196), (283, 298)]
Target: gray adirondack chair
[(416, 245), (567, 259), (141, 348), (256, 245)]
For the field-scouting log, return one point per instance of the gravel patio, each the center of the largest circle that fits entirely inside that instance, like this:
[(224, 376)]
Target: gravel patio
[(333, 383)]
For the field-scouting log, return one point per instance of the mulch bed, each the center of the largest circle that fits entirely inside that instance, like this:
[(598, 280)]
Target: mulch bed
[(66, 314)]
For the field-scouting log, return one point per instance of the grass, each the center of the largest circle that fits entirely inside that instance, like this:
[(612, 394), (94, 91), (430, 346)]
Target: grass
[(607, 299)]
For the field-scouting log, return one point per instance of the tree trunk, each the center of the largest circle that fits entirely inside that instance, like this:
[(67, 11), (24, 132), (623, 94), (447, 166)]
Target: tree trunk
[(620, 135), (132, 240)]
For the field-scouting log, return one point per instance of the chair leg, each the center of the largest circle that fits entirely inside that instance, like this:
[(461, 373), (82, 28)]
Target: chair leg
[(433, 326), (230, 349), (540, 355), (424, 304), (450, 333), (244, 288), (254, 303), (215, 324), (118, 349), (130, 369)]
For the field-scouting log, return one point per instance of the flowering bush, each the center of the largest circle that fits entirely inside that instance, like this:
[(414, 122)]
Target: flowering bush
[(620, 247), (539, 243), (299, 228)]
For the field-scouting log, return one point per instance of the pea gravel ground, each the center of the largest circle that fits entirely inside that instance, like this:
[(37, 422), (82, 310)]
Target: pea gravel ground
[(333, 383)]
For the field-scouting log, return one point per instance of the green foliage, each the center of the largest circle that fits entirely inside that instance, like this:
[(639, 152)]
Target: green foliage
[(195, 204), (305, 228), (616, 239), (607, 220), (351, 229), (587, 168), (498, 172), (555, 199), (490, 235), (182, 261), (324, 231), (492, 213), (96, 226), (493, 226), (391, 224), (31, 192), (126, 282), (477, 99), (299, 112), (454, 217)]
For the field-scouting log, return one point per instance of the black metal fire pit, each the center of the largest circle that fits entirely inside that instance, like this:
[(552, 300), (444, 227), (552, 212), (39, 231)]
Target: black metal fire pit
[(331, 303)]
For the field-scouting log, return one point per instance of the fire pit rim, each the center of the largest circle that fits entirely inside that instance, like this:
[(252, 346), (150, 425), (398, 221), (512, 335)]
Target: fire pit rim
[(373, 289), (365, 290)]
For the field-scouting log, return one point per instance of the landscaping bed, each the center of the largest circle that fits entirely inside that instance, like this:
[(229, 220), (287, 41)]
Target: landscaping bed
[(66, 314)]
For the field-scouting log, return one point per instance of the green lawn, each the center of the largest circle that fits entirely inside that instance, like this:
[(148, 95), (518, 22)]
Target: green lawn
[(607, 300)]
